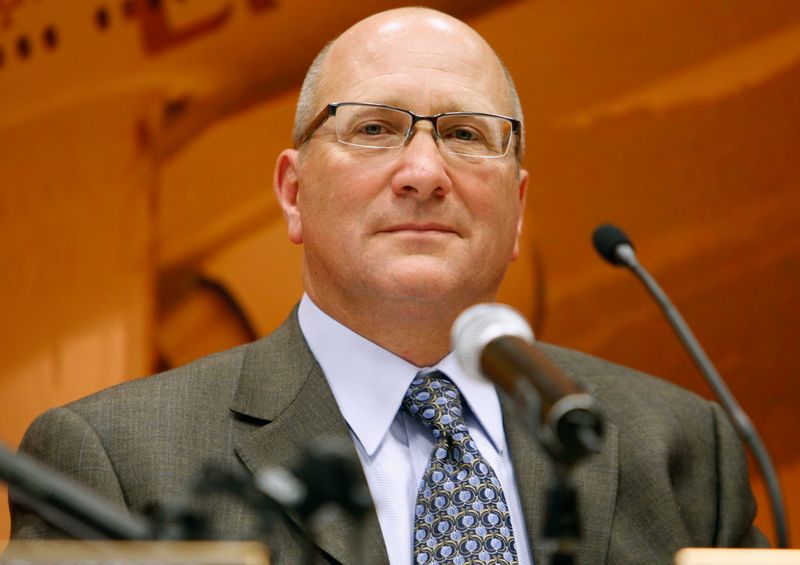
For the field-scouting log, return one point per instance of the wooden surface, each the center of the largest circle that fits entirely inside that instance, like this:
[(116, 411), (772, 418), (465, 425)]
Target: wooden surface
[(737, 557), (135, 553)]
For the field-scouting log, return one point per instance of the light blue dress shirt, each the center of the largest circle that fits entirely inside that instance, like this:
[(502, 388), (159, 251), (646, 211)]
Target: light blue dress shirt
[(369, 383)]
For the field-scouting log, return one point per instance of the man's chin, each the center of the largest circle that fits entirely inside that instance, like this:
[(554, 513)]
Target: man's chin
[(425, 281)]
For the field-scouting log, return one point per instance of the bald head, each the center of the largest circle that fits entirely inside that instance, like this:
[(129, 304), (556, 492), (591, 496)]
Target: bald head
[(383, 45)]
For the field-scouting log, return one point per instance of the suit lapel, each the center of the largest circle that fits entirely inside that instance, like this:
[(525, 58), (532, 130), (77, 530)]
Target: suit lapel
[(595, 478), (282, 384)]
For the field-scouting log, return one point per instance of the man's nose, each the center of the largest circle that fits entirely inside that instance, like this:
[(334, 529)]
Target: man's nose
[(421, 168)]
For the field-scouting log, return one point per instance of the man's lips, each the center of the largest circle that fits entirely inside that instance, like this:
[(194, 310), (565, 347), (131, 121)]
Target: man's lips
[(431, 228)]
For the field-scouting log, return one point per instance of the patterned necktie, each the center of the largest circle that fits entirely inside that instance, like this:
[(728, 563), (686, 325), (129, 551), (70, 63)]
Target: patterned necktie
[(461, 515)]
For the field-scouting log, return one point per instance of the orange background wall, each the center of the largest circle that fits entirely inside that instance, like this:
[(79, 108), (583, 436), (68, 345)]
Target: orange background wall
[(138, 229)]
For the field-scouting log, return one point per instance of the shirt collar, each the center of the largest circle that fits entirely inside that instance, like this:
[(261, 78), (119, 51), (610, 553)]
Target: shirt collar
[(369, 382)]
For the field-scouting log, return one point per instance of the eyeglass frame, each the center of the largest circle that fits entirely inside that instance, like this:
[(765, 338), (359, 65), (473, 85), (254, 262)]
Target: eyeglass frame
[(330, 111)]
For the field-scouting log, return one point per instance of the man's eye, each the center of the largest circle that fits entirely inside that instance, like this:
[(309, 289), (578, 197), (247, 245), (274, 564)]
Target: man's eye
[(464, 135), (372, 129)]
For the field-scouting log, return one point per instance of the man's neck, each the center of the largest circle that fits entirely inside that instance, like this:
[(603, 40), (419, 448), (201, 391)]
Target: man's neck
[(418, 332)]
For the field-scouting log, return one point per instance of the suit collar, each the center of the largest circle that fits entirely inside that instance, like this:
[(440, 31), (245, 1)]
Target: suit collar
[(281, 384), (274, 370)]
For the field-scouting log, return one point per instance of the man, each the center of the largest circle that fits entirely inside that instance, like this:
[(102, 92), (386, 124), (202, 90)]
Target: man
[(406, 191)]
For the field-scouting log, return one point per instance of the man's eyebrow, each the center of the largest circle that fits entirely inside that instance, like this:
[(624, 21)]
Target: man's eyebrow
[(438, 107)]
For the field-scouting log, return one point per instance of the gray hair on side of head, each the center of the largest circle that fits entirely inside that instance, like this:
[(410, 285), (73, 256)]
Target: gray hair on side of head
[(516, 107), (308, 103)]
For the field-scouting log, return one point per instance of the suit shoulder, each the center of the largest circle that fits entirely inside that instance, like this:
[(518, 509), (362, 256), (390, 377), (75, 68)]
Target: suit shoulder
[(622, 389), (201, 390), (208, 379)]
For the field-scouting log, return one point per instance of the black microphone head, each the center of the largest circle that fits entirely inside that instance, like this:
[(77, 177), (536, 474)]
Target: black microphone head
[(606, 239), (331, 472)]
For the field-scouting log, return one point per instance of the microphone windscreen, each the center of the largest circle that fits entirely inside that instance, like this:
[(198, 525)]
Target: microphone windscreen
[(478, 325), (606, 239)]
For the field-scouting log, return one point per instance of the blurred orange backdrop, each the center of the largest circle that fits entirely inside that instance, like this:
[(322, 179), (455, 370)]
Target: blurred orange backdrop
[(139, 231)]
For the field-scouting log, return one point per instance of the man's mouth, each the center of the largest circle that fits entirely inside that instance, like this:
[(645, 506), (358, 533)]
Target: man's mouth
[(421, 229)]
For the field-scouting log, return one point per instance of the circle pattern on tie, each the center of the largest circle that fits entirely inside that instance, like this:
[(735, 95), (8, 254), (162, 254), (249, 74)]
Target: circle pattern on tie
[(461, 515)]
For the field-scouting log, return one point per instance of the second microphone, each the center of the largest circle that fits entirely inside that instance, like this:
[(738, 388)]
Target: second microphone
[(495, 341)]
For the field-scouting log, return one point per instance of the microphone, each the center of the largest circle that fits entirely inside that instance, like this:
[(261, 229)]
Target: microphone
[(327, 474), (614, 245), (66, 504), (495, 341), (616, 248)]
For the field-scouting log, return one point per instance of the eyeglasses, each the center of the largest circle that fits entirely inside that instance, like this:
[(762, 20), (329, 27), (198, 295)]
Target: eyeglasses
[(377, 126)]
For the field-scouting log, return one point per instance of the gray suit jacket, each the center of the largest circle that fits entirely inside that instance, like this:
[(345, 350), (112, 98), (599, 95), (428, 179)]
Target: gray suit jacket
[(671, 474)]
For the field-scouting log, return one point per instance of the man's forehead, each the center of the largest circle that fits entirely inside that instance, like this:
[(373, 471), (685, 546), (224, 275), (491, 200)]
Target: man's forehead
[(378, 55)]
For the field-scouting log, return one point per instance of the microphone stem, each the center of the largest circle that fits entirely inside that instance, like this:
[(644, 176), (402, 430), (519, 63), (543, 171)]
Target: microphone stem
[(738, 417), (66, 504)]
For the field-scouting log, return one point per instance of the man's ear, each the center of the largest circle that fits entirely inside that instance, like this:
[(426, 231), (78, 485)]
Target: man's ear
[(286, 183), (522, 188)]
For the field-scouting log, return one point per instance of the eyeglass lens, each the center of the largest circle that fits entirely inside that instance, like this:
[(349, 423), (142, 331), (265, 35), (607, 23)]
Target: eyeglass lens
[(463, 134)]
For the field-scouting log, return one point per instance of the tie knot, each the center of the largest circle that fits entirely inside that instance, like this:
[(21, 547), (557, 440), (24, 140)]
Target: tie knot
[(435, 401)]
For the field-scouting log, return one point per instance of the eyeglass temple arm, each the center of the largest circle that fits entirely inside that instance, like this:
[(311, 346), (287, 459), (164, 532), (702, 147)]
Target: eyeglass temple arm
[(327, 112)]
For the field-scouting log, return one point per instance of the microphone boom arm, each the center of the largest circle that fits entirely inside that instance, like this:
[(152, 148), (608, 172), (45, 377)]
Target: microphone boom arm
[(626, 256)]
